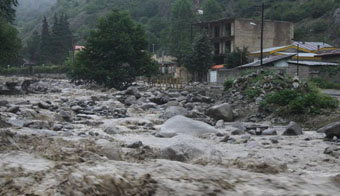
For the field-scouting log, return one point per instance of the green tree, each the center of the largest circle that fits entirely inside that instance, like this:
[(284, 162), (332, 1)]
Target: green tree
[(114, 54), (212, 10), (33, 48), (180, 30), (237, 57), (201, 59), (10, 44), (6, 9), (45, 43)]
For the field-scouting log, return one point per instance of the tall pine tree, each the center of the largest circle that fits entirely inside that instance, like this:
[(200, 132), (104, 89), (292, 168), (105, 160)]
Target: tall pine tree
[(202, 58), (45, 43), (61, 39), (182, 20), (33, 48)]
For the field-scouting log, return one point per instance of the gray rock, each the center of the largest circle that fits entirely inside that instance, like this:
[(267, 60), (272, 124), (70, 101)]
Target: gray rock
[(172, 103), (174, 111), (333, 151), (183, 125), (274, 140), (108, 149), (3, 103), (239, 125), (269, 131), (331, 130), (13, 109), (57, 127), (160, 99), (133, 91), (37, 124), (219, 124), (180, 152), (135, 144), (111, 130), (238, 132), (148, 106), (223, 111), (66, 115), (293, 129), (130, 100), (76, 108), (43, 105)]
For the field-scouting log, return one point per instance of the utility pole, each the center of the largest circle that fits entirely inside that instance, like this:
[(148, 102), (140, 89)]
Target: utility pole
[(297, 60), (153, 48), (262, 27)]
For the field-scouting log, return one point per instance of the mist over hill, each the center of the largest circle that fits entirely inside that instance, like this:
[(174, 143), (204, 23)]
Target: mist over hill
[(315, 20)]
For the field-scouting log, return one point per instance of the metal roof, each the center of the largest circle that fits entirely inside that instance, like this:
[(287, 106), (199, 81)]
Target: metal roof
[(313, 63), (329, 53), (270, 49), (266, 61), (314, 46), (299, 54)]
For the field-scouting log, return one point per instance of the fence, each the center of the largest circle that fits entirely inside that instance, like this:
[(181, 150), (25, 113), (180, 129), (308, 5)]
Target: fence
[(175, 83)]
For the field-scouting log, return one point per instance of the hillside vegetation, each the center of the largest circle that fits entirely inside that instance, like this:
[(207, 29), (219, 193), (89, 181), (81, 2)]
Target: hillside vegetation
[(316, 20)]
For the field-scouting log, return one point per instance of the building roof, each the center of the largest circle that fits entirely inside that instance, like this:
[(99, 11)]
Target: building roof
[(313, 63), (217, 67), (266, 61), (330, 53), (76, 47), (312, 46), (308, 55)]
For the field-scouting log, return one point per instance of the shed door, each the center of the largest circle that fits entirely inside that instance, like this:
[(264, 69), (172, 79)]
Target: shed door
[(213, 76)]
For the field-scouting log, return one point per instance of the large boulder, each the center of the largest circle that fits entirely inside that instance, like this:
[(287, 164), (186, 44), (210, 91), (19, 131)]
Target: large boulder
[(331, 130), (293, 129), (221, 112), (183, 125), (174, 111), (180, 152), (133, 91)]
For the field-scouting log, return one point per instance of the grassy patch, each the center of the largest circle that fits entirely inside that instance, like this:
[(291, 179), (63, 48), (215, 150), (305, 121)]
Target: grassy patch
[(228, 84), (321, 83)]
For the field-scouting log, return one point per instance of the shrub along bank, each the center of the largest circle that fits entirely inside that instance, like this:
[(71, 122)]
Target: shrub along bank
[(278, 93)]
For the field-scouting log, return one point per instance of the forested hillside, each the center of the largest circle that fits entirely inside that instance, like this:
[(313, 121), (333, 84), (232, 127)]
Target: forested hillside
[(316, 20)]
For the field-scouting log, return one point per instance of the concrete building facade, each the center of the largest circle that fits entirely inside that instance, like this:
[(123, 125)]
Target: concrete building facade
[(229, 34)]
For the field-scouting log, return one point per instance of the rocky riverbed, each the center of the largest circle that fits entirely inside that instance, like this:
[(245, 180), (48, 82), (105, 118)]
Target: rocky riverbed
[(62, 139)]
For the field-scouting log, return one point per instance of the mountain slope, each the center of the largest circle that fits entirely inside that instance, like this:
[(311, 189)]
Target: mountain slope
[(316, 20)]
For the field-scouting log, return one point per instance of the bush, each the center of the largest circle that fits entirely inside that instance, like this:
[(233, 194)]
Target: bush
[(321, 83), (228, 84), (294, 101)]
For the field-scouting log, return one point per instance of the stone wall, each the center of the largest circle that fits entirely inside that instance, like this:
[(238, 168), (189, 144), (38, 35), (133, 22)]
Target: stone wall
[(276, 33), (308, 72)]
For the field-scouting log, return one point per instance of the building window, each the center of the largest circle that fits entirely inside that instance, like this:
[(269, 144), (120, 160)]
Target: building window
[(228, 29), (227, 47), (217, 31), (217, 48)]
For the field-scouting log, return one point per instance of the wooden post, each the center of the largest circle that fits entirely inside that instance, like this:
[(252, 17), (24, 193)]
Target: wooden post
[(176, 83), (181, 81)]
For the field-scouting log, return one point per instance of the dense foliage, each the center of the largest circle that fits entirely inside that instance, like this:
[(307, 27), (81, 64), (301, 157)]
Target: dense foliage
[(313, 18), (298, 101), (181, 35), (237, 57), (9, 42), (201, 59), (114, 54), (51, 46), (321, 83)]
